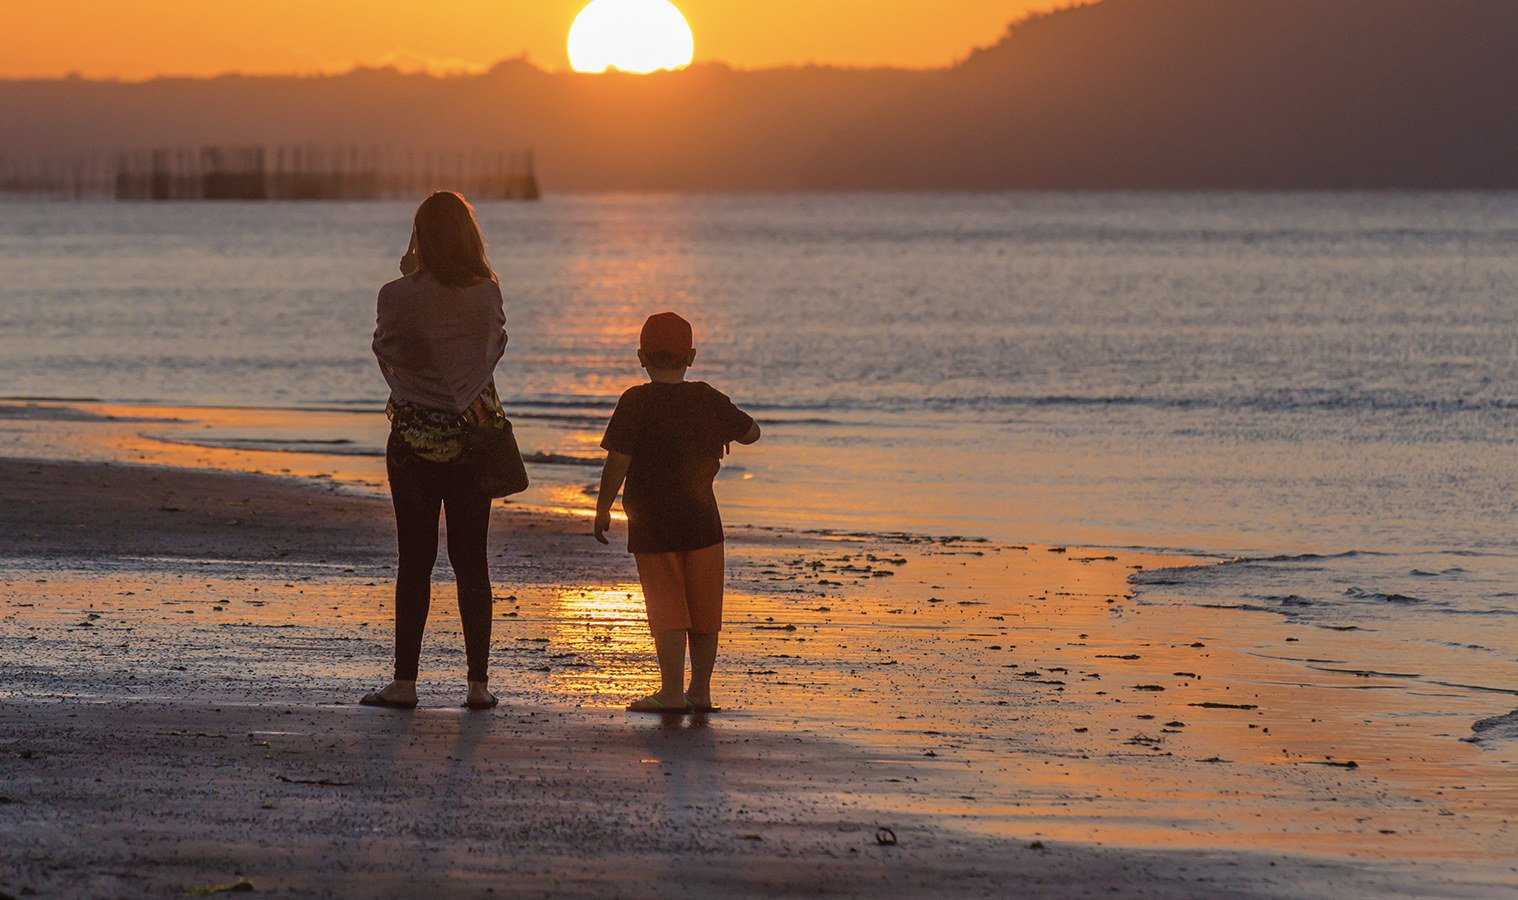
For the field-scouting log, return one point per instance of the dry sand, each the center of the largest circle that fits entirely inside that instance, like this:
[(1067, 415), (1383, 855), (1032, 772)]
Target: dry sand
[(182, 649)]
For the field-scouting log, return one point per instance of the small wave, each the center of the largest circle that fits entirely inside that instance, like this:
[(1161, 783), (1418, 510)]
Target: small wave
[(1366, 673), (1476, 687), (1292, 600), (898, 537), (346, 447), (582, 419), (31, 413), (1175, 575), (1302, 659), (588, 402), (1360, 594), (544, 458), (335, 447), (1286, 606), (1495, 728), (1305, 557), (1248, 607), (296, 441), (1070, 400), (1459, 646), (1172, 575)]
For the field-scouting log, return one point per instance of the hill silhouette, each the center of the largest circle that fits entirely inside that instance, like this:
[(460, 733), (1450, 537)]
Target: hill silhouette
[(1211, 94), (1118, 94)]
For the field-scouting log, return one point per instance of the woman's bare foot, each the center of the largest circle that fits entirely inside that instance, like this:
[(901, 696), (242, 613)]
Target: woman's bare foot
[(658, 703), (398, 694), (479, 696), (700, 704)]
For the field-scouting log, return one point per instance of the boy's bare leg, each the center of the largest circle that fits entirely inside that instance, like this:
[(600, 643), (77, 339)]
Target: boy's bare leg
[(703, 658), (670, 647)]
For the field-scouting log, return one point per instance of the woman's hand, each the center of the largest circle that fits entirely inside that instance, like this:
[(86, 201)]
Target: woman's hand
[(411, 262), (603, 525)]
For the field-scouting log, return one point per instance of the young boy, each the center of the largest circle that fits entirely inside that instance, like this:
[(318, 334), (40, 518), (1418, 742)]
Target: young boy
[(666, 439)]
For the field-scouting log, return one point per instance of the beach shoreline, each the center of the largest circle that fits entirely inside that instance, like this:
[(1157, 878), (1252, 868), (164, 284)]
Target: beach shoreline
[(980, 696)]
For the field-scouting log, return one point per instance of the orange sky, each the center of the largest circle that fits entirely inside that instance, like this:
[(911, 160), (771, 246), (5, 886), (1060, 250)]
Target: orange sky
[(144, 38)]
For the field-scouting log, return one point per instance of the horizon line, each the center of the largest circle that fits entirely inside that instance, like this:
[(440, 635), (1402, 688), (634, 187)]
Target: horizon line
[(475, 72)]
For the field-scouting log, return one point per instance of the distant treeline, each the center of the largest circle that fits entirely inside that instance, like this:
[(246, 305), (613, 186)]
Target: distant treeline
[(1122, 94)]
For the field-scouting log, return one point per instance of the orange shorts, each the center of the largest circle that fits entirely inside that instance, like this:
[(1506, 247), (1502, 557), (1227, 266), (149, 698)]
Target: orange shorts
[(683, 591)]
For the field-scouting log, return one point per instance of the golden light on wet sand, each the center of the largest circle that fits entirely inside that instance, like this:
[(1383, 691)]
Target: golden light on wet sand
[(631, 35)]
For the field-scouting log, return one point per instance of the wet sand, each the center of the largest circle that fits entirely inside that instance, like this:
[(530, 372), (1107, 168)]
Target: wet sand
[(182, 650), (158, 799)]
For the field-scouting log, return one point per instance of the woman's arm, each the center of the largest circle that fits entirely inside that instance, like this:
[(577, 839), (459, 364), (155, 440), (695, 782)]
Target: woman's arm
[(612, 476)]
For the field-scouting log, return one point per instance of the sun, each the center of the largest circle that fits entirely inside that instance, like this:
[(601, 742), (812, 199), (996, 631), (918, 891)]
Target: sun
[(632, 35)]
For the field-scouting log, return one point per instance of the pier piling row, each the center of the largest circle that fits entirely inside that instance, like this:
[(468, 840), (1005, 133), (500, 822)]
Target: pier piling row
[(287, 172)]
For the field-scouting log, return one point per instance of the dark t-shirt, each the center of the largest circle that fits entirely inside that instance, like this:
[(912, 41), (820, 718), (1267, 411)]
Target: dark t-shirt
[(675, 434)]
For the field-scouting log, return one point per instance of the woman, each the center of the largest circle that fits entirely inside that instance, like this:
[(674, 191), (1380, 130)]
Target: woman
[(441, 331)]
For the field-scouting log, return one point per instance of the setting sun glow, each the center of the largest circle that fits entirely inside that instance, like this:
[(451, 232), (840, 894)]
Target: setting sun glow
[(631, 35)]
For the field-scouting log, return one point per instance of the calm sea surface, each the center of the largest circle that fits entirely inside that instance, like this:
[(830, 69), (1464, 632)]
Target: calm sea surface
[(1325, 385)]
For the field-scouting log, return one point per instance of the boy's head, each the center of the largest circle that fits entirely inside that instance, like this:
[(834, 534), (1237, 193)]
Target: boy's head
[(665, 343)]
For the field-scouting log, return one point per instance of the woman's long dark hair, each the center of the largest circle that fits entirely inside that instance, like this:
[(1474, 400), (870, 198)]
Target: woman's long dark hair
[(448, 240)]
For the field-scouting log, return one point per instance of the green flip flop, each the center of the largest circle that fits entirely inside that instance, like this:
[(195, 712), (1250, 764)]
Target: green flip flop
[(657, 708)]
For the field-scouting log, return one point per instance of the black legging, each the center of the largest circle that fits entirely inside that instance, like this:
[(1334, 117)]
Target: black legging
[(418, 487)]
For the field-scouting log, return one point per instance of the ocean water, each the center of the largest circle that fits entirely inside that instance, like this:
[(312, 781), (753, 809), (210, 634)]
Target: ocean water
[(1323, 386)]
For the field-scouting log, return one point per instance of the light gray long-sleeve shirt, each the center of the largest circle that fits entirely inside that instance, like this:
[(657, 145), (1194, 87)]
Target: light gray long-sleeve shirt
[(436, 345)]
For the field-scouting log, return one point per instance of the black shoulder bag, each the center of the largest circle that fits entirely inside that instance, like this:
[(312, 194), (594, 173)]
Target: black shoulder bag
[(493, 461)]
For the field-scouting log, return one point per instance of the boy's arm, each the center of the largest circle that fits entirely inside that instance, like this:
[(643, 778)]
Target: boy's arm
[(612, 476), (749, 437)]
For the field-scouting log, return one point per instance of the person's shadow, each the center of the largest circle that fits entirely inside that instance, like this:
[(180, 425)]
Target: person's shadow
[(433, 747), (688, 754)]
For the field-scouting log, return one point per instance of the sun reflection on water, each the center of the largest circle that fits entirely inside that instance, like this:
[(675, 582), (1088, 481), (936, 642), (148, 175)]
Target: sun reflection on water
[(618, 605), (599, 639)]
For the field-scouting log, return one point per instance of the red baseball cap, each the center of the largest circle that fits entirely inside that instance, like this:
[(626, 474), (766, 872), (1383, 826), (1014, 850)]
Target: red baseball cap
[(666, 332)]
